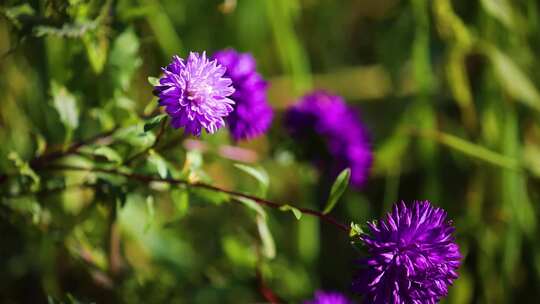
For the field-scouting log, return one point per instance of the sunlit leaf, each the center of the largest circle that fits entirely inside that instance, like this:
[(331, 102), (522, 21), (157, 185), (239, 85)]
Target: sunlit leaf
[(269, 247), (124, 58), (355, 230), (66, 105), (109, 154), (296, 212), (159, 164), (252, 205), (259, 174), (340, 185), (513, 79), (153, 81), (501, 10)]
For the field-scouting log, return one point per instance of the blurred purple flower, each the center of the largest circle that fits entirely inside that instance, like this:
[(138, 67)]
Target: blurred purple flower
[(194, 93), (345, 136), (328, 297), (413, 256), (252, 115)]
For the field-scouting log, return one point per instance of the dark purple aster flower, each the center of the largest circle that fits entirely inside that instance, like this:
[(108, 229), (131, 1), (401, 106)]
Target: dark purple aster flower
[(328, 297), (345, 136), (252, 115), (194, 93), (413, 256)]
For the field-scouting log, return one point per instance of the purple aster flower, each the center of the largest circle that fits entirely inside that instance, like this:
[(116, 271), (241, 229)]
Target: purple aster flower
[(194, 93), (413, 256), (328, 297), (345, 136), (252, 115)]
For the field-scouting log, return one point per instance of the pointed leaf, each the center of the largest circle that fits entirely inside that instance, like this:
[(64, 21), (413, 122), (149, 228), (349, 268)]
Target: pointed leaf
[(258, 173), (269, 246), (66, 105), (154, 81), (109, 154), (339, 186), (252, 205), (297, 213), (154, 122)]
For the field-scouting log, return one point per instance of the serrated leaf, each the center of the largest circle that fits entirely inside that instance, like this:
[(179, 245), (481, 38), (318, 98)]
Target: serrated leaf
[(74, 30), (296, 212), (268, 244), (259, 174), (154, 122), (252, 205), (109, 154), (13, 13), (154, 81), (66, 105), (339, 186)]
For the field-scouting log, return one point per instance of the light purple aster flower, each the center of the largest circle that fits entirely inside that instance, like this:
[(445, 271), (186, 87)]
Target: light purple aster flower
[(413, 256), (194, 93), (340, 128), (252, 114), (328, 297)]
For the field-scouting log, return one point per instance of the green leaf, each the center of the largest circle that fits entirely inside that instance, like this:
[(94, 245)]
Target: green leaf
[(513, 79), (213, 197), (25, 169), (259, 174), (252, 205), (69, 30), (239, 253), (180, 199), (109, 154), (154, 122), (159, 163), (124, 59), (15, 12), (355, 230), (97, 47), (339, 186), (66, 105), (297, 213), (269, 246), (500, 10), (151, 212), (154, 81), (473, 150)]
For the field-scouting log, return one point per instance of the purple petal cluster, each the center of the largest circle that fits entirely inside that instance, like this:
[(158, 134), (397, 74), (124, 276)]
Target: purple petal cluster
[(343, 132), (252, 115), (195, 93), (328, 297), (413, 256)]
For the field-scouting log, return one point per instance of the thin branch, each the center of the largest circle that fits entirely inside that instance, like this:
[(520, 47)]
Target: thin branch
[(147, 179), (73, 148), (145, 151)]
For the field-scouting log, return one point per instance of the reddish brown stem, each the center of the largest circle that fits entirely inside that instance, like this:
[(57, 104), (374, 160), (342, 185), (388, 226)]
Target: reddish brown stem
[(147, 178)]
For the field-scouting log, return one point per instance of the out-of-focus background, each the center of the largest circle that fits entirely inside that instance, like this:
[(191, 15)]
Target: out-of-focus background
[(449, 90)]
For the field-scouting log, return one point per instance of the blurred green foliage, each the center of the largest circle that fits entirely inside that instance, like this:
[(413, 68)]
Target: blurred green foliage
[(449, 90)]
